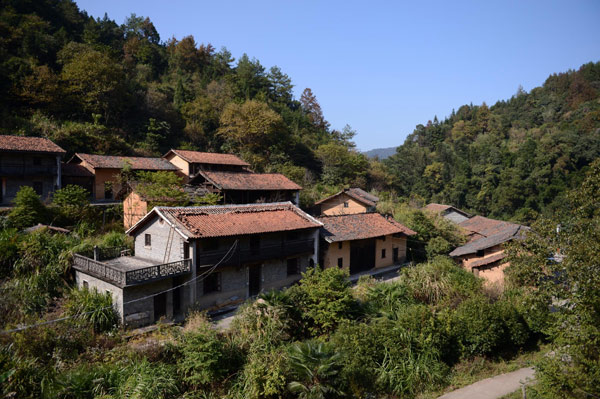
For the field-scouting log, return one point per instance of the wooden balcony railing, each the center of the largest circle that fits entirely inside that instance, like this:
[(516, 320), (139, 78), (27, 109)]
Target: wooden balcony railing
[(247, 255)]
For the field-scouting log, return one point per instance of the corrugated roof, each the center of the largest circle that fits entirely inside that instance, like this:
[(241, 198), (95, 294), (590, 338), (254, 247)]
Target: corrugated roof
[(440, 208), (487, 233), (355, 193), (29, 144), (233, 220), (212, 158), (360, 226), (249, 181), (117, 162)]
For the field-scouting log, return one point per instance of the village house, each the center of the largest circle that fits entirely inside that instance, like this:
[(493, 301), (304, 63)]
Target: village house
[(229, 176), (363, 241), (137, 204), (484, 254), (192, 162), (347, 201), (212, 256), (106, 169), (248, 187), (29, 161), (448, 212)]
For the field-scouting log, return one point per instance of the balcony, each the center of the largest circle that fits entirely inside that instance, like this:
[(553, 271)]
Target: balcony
[(27, 170), (117, 267), (262, 253)]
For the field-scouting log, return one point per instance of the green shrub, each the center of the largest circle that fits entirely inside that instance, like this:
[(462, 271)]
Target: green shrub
[(440, 282), (314, 370), (437, 246), (325, 299), (71, 203), (361, 349), (534, 307), (93, 308), (145, 380), (9, 248), (203, 359), (264, 374), (478, 327), (386, 298), (115, 239), (516, 331), (28, 209), (27, 378), (261, 326)]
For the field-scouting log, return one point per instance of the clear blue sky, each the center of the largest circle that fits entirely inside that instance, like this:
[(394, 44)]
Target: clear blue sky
[(384, 67)]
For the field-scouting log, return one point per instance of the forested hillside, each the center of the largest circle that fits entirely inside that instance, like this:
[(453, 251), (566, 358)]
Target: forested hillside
[(511, 160), (92, 85)]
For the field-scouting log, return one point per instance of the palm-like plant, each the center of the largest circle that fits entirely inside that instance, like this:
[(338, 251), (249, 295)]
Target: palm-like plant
[(315, 366)]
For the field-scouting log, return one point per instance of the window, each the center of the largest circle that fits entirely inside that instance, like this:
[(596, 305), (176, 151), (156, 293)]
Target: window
[(85, 285), (38, 187), (147, 240), (383, 254), (212, 283), (292, 267), (37, 161), (480, 252), (186, 250), (346, 204), (340, 262), (108, 192), (340, 244)]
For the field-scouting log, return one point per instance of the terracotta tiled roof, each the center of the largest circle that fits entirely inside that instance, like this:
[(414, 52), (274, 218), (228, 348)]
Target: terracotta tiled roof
[(356, 193), (75, 170), (209, 158), (29, 144), (440, 208), (117, 162), (487, 233), (233, 220), (360, 226), (484, 226), (249, 181)]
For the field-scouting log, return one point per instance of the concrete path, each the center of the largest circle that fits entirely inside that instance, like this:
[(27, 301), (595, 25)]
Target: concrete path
[(494, 387)]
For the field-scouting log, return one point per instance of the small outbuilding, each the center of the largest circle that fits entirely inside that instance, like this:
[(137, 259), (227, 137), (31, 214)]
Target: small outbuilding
[(363, 241), (483, 254), (346, 202)]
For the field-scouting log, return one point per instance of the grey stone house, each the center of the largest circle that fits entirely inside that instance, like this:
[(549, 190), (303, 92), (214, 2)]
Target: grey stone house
[(29, 161), (209, 257)]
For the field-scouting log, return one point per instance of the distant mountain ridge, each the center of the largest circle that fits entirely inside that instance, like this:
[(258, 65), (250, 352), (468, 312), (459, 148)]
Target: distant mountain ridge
[(381, 153)]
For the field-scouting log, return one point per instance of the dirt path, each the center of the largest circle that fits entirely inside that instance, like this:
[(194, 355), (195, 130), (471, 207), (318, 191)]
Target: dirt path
[(494, 387)]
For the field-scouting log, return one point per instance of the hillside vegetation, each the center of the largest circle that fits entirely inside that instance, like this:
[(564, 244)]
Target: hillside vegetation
[(92, 85), (511, 160)]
